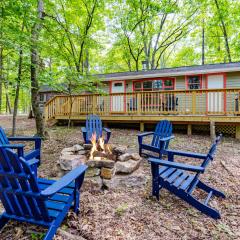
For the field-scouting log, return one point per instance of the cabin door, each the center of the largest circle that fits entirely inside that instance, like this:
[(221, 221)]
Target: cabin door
[(117, 101), (215, 100)]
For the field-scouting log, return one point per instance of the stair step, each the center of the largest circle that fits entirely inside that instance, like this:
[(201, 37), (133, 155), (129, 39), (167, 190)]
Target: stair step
[(208, 197)]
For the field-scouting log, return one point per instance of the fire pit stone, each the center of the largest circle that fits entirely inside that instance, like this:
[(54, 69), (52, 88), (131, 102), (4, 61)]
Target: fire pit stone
[(74, 149), (87, 146), (124, 157), (107, 173), (100, 163), (92, 172), (68, 162), (105, 163), (119, 150), (127, 166)]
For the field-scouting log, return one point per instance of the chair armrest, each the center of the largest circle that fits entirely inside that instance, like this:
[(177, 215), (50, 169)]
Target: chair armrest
[(84, 129), (107, 130), (145, 134), (33, 161), (19, 147), (166, 138), (13, 146), (36, 140), (64, 181), (22, 138), (186, 154), (177, 165)]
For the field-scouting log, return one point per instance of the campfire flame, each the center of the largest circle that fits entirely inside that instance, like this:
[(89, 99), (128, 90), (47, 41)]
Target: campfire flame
[(99, 146)]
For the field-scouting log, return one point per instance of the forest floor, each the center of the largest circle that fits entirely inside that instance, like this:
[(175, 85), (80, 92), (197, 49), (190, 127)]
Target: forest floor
[(131, 213)]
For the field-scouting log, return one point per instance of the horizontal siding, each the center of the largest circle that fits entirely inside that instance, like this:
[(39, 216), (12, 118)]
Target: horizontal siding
[(105, 87), (233, 80), (180, 83), (129, 85)]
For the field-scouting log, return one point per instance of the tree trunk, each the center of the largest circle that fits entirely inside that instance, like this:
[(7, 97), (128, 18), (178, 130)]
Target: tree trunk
[(1, 65), (16, 100), (8, 104), (34, 63), (70, 110), (203, 43), (224, 31), (1, 77)]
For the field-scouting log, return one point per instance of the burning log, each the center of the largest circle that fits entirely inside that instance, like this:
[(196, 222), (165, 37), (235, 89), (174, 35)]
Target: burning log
[(99, 149)]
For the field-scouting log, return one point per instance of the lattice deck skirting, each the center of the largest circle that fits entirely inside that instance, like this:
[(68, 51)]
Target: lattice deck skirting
[(226, 130)]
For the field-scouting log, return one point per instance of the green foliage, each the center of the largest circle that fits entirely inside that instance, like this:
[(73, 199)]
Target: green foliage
[(80, 38), (120, 210), (37, 236)]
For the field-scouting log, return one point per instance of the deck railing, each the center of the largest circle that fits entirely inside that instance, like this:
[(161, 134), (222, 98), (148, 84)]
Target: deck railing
[(181, 102)]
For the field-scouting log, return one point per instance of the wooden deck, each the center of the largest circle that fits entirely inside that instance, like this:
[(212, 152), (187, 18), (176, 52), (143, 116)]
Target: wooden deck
[(220, 106)]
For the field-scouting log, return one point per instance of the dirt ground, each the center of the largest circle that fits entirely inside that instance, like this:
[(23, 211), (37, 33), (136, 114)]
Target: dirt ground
[(131, 213)]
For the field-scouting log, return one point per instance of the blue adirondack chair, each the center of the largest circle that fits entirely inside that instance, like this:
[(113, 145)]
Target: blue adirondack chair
[(94, 125), (160, 140), (34, 153), (39, 201), (182, 179)]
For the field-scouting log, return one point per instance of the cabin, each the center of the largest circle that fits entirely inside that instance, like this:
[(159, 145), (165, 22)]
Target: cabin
[(193, 97), (46, 92)]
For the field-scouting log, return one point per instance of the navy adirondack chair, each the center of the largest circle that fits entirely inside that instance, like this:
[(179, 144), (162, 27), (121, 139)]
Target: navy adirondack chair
[(39, 201), (160, 140), (34, 153), (182, 179), (94, 125)]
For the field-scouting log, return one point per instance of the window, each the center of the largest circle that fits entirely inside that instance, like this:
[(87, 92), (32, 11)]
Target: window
[(194, 82), (117, 84), (41, 97), (168, 85), (154, 85), (137, 86), (157, 85), (147, 86)]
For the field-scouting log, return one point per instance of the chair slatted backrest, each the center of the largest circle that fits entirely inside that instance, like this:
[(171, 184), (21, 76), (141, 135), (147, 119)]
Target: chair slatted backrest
[(163, 129), (93, 125), (3, 137), (206, 161), (19, 191), (211, 152)]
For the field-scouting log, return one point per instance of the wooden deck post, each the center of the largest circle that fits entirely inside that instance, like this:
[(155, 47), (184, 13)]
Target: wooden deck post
[(189, 129), (94, 104), (237, 135), (212, 130), (141, 126), (194, 98), (139, 104)]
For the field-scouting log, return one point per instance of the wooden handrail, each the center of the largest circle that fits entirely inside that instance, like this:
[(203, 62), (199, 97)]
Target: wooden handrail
[(194, 102)]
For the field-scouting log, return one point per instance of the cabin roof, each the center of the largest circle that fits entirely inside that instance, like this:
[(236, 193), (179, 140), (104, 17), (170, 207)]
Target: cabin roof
[(47, 88), (177, 71)]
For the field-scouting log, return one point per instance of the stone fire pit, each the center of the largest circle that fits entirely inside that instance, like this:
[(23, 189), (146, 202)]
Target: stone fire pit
[(121, 170)]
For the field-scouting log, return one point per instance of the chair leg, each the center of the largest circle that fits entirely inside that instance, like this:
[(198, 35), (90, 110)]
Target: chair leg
[(3, 221), (155, 181), (140, 151), (76, 202), (206, 188), (50, 233), (201, 207)]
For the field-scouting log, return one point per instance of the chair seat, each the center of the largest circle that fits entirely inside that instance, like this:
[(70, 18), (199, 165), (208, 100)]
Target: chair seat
[(58, 201), (177, 178), (32, 154)]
